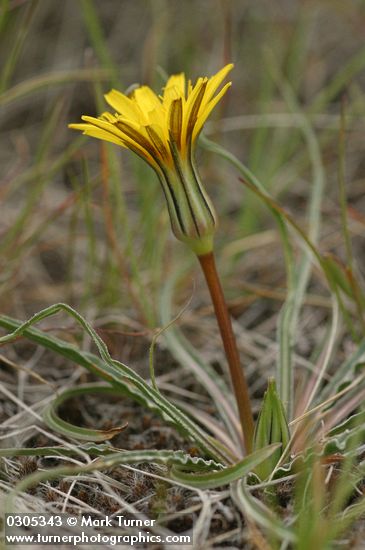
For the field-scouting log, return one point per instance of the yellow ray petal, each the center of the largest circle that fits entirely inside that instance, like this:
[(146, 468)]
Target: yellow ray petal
[(195, 102), (123, 105), (103, 125), (215, 81), (108, 117), (157, 119), (207, 110), (177, 82), (191, 110), (146, 99), (174, 89), (95, 132), (78, 126), (127, 133)]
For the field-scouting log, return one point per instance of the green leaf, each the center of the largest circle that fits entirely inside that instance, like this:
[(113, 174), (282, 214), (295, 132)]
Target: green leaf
[(256, 511), (271, 427), (106, 462), (338, 274), (113, 456), (229, 474), (340, 440), (119, 375), (54, 421)]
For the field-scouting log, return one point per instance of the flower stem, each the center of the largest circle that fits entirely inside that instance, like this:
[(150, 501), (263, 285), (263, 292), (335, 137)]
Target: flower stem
[(238, 379)]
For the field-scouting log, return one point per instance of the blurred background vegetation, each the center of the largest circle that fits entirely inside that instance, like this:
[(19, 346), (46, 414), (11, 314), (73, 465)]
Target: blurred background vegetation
[(85, 223)]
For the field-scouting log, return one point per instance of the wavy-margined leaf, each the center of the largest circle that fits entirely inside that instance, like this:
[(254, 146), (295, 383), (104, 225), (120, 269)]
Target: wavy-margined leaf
[(228, 474), (54, 421), (340, 439), (355, 421), (179, 459), (119, 375), (170, 458), (113, 456), (337, 445)]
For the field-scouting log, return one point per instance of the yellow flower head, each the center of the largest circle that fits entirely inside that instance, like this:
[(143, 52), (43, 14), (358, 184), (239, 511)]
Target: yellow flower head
[(148, 124), (162, 130)]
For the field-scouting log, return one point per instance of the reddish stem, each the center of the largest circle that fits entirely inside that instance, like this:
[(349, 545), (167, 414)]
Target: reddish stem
[(238, 379)]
